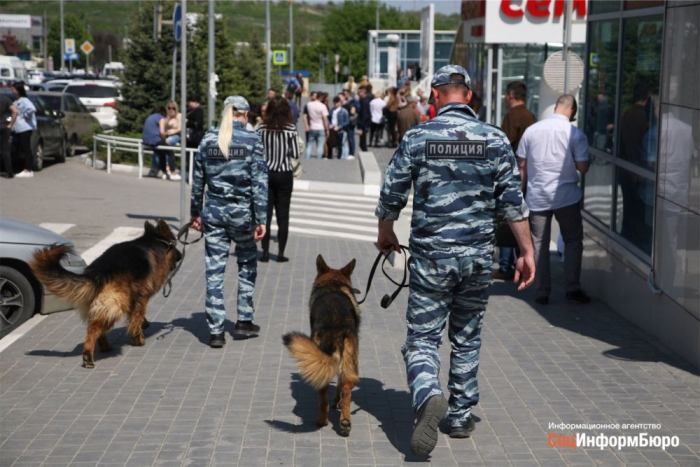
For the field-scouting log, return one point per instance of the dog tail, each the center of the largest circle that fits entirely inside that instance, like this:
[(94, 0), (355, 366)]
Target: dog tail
[(76, 289), (317, 367)]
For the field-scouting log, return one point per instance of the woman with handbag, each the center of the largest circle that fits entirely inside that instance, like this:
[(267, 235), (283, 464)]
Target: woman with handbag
[(281, 141)]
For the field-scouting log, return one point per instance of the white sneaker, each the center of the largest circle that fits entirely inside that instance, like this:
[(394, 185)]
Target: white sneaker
[(351, 158), (25, 174), (164, 177), (175, 177)]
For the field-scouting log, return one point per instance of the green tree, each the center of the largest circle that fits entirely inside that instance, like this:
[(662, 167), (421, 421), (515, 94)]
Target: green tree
[(74, 28), (148, 68)]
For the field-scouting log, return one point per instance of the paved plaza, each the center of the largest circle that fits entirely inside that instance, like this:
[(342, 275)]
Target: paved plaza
[(177, 402)]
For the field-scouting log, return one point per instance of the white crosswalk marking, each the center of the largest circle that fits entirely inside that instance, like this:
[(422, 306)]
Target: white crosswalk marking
[(56, 228)]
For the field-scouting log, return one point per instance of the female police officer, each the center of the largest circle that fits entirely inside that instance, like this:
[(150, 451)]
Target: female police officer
[(231, 163)]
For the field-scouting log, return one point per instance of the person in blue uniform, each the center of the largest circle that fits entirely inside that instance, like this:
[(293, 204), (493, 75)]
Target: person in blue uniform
[(231, 164), (463, 173)]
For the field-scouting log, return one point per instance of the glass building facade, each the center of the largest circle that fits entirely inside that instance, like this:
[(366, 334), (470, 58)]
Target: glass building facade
[(642, 193)]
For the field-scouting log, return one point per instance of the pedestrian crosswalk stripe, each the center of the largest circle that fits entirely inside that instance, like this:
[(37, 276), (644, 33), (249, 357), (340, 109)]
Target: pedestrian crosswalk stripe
[(312, 195), (328, 233), (56, 228), (302, 212), (336, 211), (320, 202), (118, 235), (337, 225)]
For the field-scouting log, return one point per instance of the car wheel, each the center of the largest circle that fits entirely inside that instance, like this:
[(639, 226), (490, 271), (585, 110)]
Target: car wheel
[(71, 146), (39, 157), (16, 299), (61, 156)]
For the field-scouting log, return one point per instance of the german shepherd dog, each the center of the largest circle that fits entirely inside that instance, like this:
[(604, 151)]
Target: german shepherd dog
[(333, 348), (118, 284)]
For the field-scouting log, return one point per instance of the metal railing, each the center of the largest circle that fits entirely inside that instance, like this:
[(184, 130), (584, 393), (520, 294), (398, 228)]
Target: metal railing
[(133, 145)]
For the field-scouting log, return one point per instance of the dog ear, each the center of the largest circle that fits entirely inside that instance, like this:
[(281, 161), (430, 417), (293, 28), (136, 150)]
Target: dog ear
[(321, 265), (348, 269), (164, 229), (149, 228)]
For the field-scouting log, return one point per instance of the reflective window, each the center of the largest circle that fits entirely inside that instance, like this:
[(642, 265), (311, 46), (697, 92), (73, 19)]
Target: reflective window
[(639, 101), (635, 209), (598, 193), (681, 64), (639, 4), (602, 84), (603, 6)]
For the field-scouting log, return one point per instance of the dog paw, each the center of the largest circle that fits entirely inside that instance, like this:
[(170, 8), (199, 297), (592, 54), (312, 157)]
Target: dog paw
[(88, 362), (321, 423), (345, 427), (138, 341)]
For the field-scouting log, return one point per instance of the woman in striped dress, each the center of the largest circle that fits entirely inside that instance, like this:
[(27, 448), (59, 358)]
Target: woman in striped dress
[(279, 135)]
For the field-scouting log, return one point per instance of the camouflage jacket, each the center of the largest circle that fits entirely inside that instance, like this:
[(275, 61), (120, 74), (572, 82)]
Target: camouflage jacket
[(237, 186), (463, 172)]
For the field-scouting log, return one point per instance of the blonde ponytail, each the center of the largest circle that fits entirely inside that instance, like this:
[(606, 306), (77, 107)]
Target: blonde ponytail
[(226, 129)]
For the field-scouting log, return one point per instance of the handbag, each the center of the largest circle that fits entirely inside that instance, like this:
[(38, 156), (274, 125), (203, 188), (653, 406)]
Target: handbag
[(297, 169)]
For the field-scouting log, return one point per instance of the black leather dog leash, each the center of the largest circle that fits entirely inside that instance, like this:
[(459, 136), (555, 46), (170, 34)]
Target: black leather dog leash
[(388, 299), (183, 232)]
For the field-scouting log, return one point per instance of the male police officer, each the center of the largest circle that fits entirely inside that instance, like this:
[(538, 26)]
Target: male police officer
[(231, 163), (463, 172)]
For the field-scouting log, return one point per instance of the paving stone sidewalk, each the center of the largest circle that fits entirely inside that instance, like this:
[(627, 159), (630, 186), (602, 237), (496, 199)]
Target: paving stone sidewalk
[(176, 402)]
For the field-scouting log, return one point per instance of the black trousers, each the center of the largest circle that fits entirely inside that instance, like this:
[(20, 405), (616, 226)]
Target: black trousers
[(24, 144), (280, 186), (5, 153), (363, 138), (376, 134), (391, 118)]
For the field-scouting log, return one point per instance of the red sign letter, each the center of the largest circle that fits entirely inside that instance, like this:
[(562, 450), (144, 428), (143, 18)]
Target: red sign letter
[(579, 7), (538, 8), (508, 10)]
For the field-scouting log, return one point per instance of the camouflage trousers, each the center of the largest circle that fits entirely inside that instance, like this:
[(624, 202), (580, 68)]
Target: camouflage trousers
[(452, 292), (217, 244)]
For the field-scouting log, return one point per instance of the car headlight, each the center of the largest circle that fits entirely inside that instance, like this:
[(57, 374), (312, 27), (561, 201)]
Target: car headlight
[(73, 260)]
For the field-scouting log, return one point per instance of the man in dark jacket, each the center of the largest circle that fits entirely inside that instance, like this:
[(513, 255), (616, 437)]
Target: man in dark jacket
[(365, 118)]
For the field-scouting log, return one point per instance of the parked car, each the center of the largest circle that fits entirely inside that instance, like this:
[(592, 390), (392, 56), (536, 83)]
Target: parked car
[(50, 139), (36, 77), (100, 97), (21, 294), (78, 120), (54, 85), (12, 68)]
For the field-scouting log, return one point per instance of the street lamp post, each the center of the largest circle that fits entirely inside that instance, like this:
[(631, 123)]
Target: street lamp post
[(211, 71), (63, 41), (183, 113), (267, 45), (291, 37)]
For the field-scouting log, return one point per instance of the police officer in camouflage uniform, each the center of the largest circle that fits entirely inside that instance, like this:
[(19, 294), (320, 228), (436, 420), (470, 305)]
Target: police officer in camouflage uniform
[(463, 173), (231, 163)]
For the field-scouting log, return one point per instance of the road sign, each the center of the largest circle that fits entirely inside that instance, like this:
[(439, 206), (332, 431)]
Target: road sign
[(70, 46), (177, 22), (279, 57), (87, 48), (72, 56)]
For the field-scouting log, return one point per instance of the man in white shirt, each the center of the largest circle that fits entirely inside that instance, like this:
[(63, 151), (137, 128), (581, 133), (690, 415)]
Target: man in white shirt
[(318, 126), (550, 155)]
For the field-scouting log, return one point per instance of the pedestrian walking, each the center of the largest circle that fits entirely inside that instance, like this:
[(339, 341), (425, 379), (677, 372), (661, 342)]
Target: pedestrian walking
[(8, 117), (408, 117), (391, 113), (24, 128), (195, 122), (231, 164), (280, 138), (364, 118), (318, 126), (551, 153), (299, 90), (376, 107), (515, 122), (463, 174)]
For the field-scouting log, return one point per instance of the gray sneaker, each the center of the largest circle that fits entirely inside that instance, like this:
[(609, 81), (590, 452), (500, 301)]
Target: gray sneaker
[(425, 433)]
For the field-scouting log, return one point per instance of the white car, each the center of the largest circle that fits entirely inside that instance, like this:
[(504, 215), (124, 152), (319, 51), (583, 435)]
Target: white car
[(36, 77), (100, 97)]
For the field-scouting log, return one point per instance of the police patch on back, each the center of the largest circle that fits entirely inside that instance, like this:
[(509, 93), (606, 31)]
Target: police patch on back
[(234, 152), (455, 149)]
